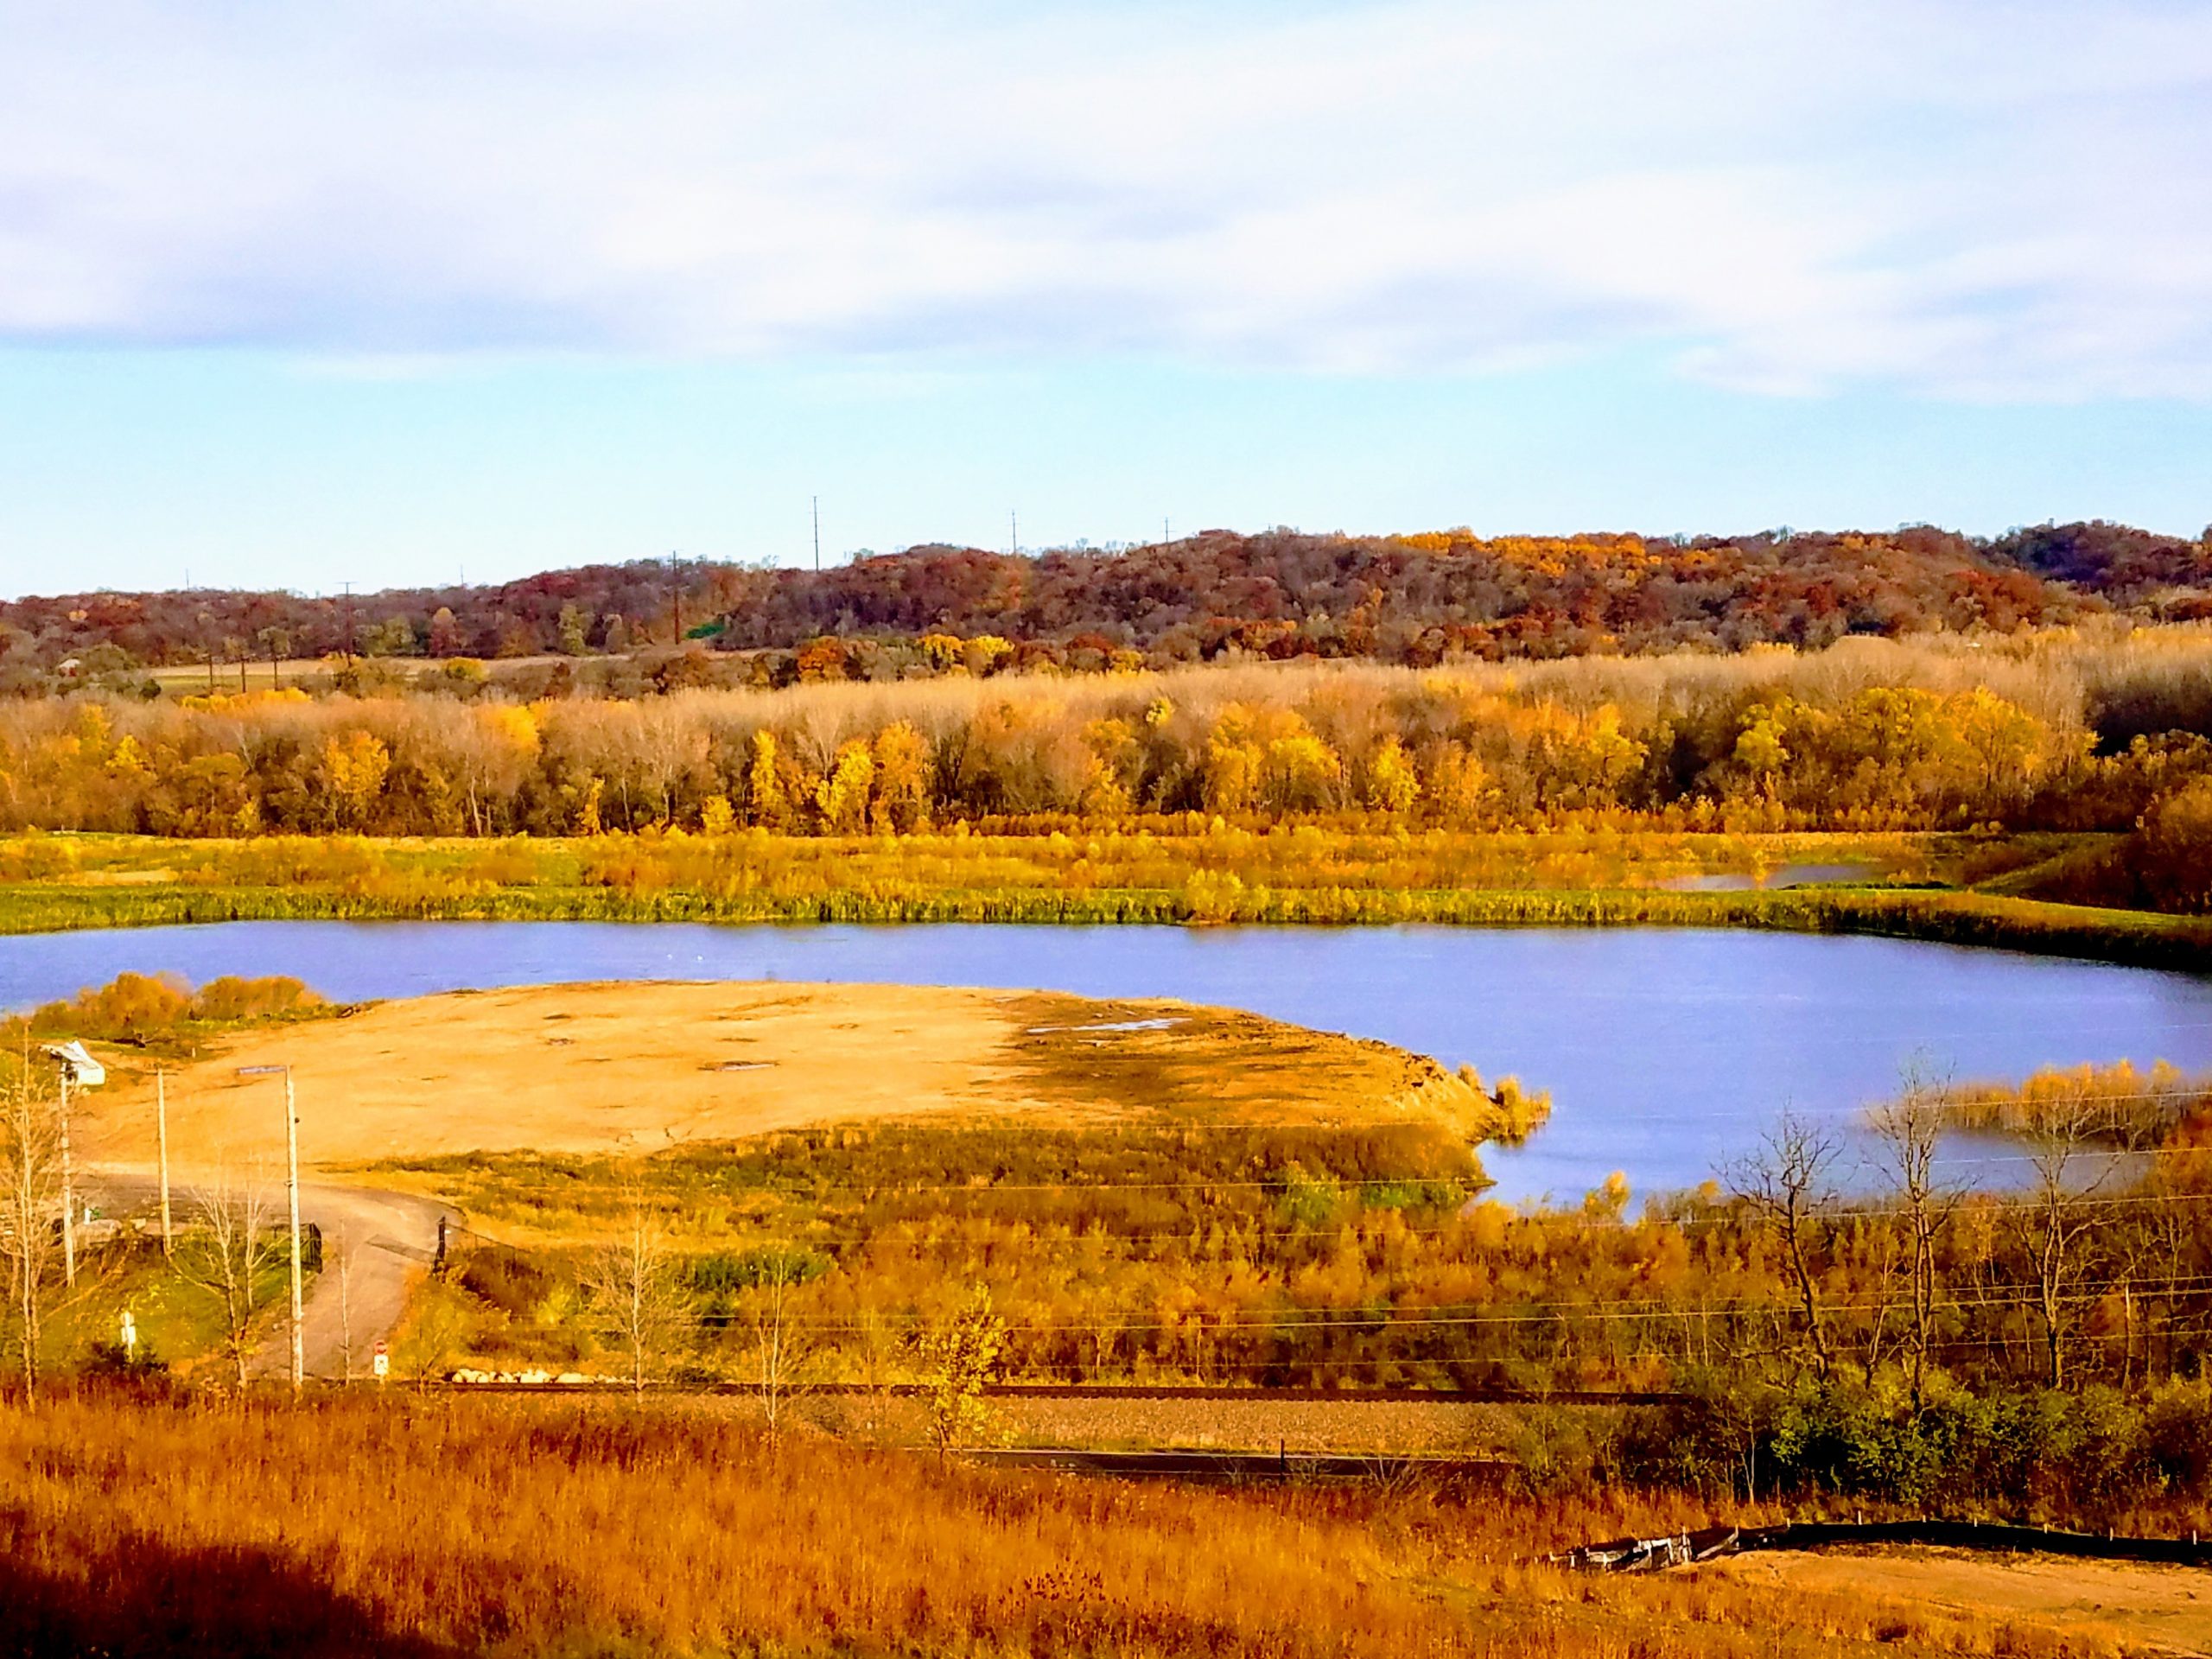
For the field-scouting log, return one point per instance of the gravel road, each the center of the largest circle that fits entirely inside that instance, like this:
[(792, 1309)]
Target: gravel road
[(388, 1240)]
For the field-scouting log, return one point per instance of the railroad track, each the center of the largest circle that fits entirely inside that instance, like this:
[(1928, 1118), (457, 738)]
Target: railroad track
[(1114, 1391), (1229, 1468)]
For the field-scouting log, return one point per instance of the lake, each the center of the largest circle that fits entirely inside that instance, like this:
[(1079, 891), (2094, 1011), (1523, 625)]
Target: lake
[(1667, 1050)]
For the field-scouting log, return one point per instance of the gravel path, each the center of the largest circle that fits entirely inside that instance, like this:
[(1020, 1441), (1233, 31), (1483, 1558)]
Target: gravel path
[(388, 1241)]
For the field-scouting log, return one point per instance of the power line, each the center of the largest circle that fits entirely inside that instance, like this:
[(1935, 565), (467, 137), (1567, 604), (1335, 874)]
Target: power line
[(1291, 1321), (1344, 1186), (798, 1234)]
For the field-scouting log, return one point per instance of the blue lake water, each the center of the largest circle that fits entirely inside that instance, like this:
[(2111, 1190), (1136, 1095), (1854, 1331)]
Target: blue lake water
[(1667, 1050)]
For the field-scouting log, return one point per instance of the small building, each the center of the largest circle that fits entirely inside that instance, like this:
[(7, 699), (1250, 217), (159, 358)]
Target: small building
[(84, 1070)]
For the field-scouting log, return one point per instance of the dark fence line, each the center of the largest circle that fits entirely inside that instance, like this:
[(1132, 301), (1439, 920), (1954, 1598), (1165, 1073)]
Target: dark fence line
[(1237, 1468), (1973, 1535), (1649, 1554)]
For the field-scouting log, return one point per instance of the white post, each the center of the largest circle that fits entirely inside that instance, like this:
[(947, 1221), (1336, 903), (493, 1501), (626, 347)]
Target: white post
[(162, 1134), (292, 1185), (68, 1193)]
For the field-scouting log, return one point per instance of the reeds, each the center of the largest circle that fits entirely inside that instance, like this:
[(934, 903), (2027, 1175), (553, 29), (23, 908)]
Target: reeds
[(834, 884)]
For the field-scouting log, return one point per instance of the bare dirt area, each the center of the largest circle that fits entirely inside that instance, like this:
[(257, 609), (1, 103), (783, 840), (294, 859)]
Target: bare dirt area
[(2165, 1609), (600, 1068)]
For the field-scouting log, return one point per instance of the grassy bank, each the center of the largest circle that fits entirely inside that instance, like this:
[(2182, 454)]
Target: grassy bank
[(2136, 938)]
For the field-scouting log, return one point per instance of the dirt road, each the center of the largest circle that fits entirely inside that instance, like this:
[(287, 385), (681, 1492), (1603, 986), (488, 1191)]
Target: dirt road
[(378, 1244), (2122, 1605)]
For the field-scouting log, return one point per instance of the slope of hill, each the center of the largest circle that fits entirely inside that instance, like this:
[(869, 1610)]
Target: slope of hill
[(1416, 598)]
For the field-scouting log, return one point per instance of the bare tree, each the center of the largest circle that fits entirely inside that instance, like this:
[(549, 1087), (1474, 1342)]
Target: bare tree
[(2058, 1214), (2173, 1240), (30, 1151), (880, 1351), (1911, 1127), (784, 1349), (633, 1288), (232, 1249), (1786, 1181)]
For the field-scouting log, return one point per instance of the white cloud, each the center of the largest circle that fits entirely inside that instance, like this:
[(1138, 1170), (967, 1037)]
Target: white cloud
[(1961, 197)]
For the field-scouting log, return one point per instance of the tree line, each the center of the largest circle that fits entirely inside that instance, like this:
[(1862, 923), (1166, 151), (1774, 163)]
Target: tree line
[(2059, 735), (1418, 599)]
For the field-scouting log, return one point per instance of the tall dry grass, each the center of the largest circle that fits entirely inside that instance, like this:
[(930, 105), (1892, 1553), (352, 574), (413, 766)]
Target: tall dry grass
[(360, 1526)]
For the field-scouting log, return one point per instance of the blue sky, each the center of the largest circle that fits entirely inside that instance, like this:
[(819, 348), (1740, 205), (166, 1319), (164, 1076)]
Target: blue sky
[(382, 292)]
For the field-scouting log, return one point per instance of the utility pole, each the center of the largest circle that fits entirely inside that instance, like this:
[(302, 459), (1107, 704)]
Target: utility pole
[(348, 612), (68, 1193), (292, 1186), (818, 534), (345, 1304), (1164, 536), (675, 596), (1013, 533), (292, 1197), (161, 1138)]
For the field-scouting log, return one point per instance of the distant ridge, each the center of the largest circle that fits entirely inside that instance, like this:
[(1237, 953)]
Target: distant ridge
[(1409, 598)]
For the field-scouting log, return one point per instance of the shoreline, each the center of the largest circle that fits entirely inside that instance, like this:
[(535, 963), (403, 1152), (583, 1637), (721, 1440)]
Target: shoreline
[(2133, 938)]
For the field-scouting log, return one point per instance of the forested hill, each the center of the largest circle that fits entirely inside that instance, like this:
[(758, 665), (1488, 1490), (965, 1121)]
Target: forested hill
[(1402, 598)]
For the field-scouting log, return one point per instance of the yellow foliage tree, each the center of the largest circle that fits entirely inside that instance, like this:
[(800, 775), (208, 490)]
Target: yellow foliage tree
[(353, 769), (902, 777), (985, 652), (1392, 784), (1234, 763), (129, 760), (843, 797), (1303, 773), (1459, 787), (1762, 749), (767, 803), (517, 722)]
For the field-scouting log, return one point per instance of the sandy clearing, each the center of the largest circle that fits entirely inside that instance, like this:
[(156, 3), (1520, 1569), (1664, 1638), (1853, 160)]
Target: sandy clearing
[(638, 1067), (2169, 1606)]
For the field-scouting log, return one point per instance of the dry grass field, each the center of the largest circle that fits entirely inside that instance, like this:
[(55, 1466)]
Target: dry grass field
[(2118, 1605), (438, 1529), (604, 1068)]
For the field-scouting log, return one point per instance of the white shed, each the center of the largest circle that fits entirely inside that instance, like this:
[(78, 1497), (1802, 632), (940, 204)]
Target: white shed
[(84, 1070)]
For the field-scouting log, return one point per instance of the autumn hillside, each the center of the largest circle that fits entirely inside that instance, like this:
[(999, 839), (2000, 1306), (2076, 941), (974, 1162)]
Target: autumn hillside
[(1408, 597)]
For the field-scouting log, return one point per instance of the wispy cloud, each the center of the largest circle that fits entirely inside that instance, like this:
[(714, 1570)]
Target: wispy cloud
[(1984, 199)]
